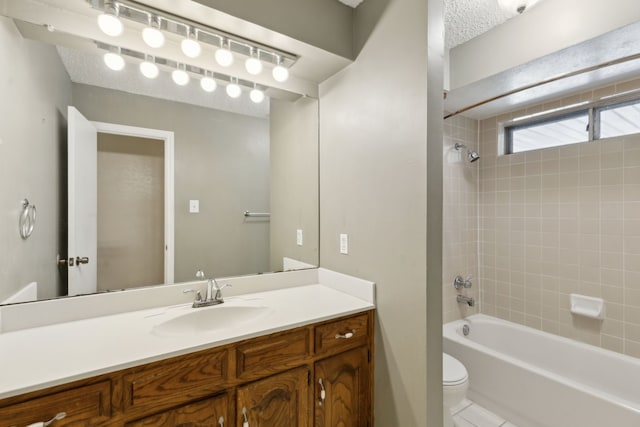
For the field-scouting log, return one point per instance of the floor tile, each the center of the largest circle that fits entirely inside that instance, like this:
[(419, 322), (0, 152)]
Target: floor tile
[(461, 406), (480, 417), (458, 421)]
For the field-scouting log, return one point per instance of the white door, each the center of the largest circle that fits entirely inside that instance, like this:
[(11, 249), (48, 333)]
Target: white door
[(82, 203)]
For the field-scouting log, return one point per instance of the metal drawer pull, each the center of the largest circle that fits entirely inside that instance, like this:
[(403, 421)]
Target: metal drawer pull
[(59, 416), (323, 393), (221, 421), (347, 335), (244, 414)]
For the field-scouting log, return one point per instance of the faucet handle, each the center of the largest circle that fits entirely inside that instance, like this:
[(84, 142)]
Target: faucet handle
[(219, 288), (459, 282), (190, 291)]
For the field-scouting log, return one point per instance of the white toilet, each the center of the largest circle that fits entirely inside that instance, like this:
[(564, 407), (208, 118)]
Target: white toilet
[(455, 382)]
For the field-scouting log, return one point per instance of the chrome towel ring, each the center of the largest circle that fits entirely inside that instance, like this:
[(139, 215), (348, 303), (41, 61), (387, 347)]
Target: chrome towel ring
[(27, 219)]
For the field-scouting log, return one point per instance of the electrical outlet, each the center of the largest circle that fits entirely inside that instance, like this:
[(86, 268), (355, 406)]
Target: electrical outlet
[(299, 237), (344, 244), (194, 206)]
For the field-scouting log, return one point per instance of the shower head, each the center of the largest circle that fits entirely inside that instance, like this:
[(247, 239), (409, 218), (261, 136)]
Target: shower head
[(473, 155)]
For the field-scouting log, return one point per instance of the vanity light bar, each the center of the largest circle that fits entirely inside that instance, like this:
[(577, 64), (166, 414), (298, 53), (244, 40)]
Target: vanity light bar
[(142, 14), (175, 65)]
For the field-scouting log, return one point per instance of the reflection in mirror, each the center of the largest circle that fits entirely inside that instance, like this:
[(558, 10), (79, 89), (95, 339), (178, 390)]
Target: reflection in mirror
[(223, 160)]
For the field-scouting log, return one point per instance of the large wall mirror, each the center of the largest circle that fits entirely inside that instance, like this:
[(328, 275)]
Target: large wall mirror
[(185, 180)]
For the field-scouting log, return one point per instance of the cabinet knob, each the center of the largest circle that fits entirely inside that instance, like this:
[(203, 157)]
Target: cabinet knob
[(221, 421), (347, 335), (244, 414), (58, 416), (323, 393)]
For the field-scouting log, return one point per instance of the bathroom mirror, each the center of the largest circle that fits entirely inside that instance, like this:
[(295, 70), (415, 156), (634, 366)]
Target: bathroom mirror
[(226, 158)]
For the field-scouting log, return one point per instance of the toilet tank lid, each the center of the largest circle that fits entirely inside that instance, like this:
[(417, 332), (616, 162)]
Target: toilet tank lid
[(453, 372)]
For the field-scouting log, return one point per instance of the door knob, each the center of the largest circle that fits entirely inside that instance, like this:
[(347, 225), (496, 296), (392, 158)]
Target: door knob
[(83, 260), (63, 262)]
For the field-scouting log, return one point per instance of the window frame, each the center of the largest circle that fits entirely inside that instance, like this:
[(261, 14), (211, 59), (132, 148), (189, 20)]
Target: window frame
[(591, 108)]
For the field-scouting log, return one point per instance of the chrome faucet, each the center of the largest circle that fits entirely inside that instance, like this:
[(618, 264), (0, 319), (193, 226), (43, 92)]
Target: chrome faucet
[(466, 300), (210, 298)]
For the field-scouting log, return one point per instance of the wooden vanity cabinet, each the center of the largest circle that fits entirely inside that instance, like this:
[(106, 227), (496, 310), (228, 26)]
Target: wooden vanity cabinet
[(274, 380), (278, 400), (214, 411), (344, 379)]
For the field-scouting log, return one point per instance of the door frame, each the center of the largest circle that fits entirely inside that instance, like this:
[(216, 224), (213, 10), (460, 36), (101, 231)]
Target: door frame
[(169, 163)]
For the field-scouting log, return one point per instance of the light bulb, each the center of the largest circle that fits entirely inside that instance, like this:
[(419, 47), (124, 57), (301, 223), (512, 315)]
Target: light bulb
[(224, 57), (149, 69), (233, 90), (256, 95), (208, 84), (114, 61), (110, 24), (253, 65), (190, 46), (280, 73), (180, 77), (152, 35)]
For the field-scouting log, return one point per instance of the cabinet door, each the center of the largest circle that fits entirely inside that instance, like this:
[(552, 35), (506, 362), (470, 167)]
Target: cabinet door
[(278, 401), (344, 378), (213, 412)]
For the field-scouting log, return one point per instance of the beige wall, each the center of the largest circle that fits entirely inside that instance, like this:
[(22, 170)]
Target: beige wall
[(35, 92), (460, 216), (559, 221), (130, 211), (294, 180), (221, 159), (519, 40), (326, 24), (373, 187)]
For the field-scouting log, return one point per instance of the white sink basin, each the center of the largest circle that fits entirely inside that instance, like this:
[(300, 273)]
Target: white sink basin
[(208, 319)]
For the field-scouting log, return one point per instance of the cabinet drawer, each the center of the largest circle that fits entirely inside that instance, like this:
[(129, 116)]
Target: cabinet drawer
[(86, 405), (342, 334), (176, 381), (207, 412), (273, 353)]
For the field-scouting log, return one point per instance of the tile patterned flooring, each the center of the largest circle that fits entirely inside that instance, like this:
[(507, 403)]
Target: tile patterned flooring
[(469, 414)]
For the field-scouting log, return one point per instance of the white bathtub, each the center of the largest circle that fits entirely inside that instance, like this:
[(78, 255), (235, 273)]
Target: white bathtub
[(533, 378)]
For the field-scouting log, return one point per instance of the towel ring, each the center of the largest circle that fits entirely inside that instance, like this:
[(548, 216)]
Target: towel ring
[(27, 219)]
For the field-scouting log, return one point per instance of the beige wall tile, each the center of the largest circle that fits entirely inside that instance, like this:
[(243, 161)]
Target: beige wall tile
[(559, 221)]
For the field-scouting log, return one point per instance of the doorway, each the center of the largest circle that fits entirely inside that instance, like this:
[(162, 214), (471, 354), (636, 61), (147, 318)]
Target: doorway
[(130, 244), (135, 207)]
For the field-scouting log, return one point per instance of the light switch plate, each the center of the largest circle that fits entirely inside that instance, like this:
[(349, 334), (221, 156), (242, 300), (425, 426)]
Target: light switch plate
[(344, 244), (194, 206), (299, 237)]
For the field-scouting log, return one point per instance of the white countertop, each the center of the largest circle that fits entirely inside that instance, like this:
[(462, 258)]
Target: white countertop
[(41, 357)]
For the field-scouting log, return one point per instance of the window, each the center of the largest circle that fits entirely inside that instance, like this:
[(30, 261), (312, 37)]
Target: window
[(607, 119), (620, 119), (563, 130)]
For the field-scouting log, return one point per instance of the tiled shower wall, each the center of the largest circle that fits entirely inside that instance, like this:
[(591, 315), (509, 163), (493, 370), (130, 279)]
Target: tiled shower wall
[(558, 221), (460, 216)]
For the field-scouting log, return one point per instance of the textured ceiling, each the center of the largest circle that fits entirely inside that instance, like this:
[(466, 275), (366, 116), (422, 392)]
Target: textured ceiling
[(466, 19)]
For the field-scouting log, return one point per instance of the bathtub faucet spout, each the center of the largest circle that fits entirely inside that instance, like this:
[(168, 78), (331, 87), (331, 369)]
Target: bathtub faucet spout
[(466, 300)]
